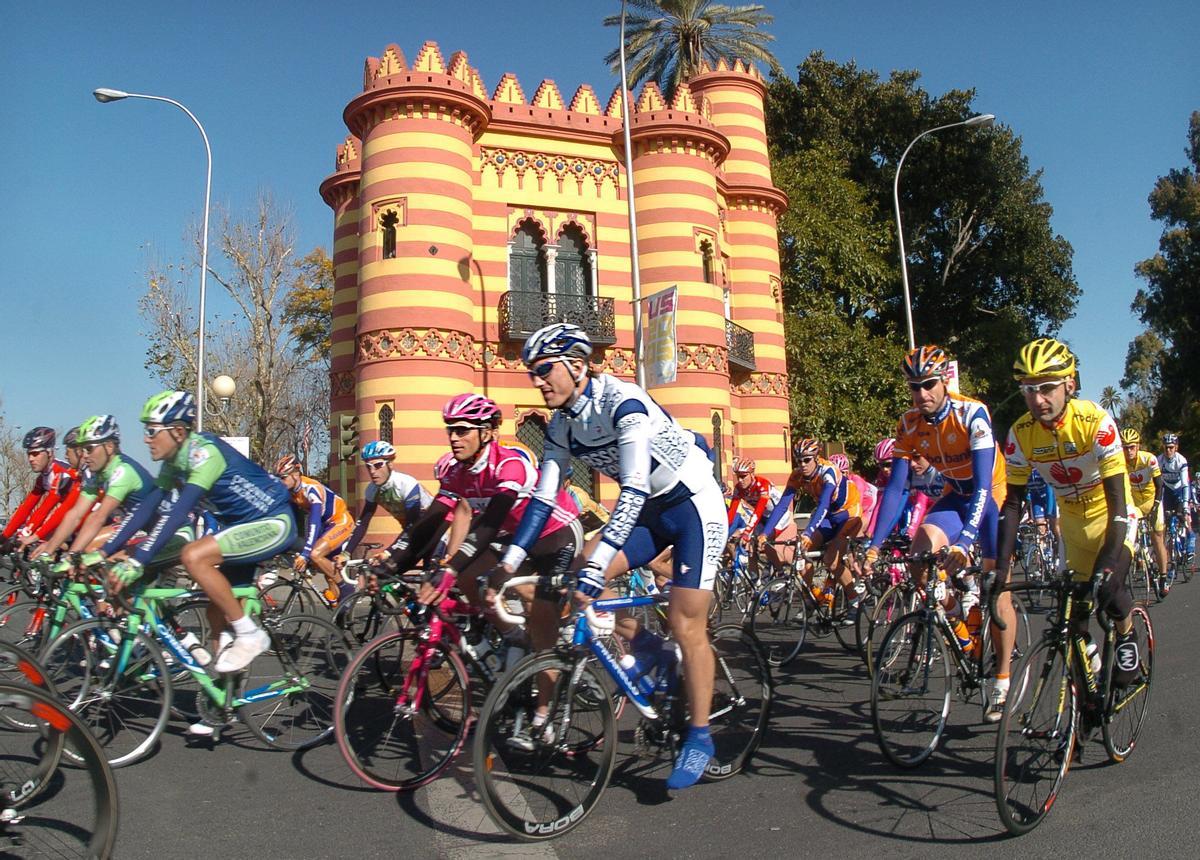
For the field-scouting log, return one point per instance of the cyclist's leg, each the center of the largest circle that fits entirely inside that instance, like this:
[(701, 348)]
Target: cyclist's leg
[(328, 545), (1158, 541)]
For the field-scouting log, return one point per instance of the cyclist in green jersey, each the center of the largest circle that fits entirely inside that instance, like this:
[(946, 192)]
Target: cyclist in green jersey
[(250, 506)]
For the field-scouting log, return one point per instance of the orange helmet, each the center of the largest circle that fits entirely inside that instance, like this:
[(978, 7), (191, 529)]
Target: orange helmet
[(924, 362), (287, 464)]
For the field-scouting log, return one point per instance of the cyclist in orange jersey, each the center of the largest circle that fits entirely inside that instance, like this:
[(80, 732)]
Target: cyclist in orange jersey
[(328, 527)]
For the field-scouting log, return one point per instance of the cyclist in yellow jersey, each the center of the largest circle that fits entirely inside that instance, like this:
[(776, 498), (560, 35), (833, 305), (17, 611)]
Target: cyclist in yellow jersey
[(1075, 446), (1146, 485)]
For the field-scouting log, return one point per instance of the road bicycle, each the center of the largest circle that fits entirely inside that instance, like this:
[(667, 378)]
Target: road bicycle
[(540, 784), (739, 580), (1177, 554), (1142, 581), (922, 665), (1058, 696), (1036, 557)]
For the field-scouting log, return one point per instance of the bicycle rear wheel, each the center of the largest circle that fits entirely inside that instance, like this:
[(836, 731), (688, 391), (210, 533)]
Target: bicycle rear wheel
[(290, 597), (780, 620), (910, 693), (741, 703), (537, 784), (1126, 706), (360, 617), (79, 817), (288, 691), (399, 726), (1036, 738)]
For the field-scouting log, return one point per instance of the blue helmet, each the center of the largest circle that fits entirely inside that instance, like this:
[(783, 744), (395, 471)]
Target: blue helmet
[(378, 450), (170, 407), (557, 340)]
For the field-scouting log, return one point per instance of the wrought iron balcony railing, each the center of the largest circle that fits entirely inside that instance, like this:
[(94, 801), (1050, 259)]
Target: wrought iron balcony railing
[(740, 342), (523, 313)]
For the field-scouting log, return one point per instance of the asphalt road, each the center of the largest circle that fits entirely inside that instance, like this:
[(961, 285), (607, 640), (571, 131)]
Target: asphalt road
[(818, 786)]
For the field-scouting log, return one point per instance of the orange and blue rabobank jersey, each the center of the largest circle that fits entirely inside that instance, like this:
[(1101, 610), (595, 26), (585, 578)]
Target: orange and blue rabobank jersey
[(828, 487), (321, 506)]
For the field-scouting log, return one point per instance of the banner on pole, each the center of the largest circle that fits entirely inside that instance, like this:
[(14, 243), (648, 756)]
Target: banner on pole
[(659, 349), (952, 376)]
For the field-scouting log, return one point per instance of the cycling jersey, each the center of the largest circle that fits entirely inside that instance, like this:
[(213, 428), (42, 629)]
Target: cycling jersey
[(323, 508), (836, 497), (868, 497), (123, 479), (1142, 472), (1175, 477), (1041, 498), (54, 493), (401, 495), (760, 497)]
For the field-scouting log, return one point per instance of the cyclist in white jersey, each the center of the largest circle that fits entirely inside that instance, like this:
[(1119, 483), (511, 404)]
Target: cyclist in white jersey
[(1176, 484), (668, 498)]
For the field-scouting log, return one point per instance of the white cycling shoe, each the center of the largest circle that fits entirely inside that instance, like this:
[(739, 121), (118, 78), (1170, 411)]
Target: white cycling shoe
[(242, 651)]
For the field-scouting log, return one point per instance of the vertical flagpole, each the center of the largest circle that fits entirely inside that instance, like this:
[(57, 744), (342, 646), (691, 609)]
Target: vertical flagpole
[(633, 246)]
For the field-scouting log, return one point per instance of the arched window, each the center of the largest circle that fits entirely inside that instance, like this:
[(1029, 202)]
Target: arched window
[(526, 267), (572, 274), (708, 272), (717, 442), (385, 423), (387, 223)]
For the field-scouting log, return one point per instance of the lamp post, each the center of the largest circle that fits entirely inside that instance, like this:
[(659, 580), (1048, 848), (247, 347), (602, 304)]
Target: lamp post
[(105, 95), (633, 246), (984, 120)]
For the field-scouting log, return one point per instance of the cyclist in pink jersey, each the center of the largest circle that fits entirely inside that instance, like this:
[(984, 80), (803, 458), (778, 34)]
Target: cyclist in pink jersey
[(924, 484)]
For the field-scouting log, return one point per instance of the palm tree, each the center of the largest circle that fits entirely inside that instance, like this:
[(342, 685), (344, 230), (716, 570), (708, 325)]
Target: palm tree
[(667, 40), (1110, 399)]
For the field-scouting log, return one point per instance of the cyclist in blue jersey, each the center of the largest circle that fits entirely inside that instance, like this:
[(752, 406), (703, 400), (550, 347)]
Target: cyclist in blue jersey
[(250, 507), (1177, 488), (1043, 507), (668, 498)]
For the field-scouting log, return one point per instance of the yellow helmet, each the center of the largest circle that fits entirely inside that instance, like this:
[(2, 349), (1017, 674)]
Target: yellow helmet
[(1044, 357), (1130, 436)]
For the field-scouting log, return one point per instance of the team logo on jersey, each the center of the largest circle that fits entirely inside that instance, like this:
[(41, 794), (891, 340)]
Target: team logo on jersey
[(1136, 478), (1107, 435), (1010, 448), (1065, 474), (951, 438), (1045, 449), (1069, 448), (198, 456)]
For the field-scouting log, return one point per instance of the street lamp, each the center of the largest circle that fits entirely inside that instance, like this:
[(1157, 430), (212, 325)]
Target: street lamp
[(633, 246), (224, 387), (104, 95), (982, 120)]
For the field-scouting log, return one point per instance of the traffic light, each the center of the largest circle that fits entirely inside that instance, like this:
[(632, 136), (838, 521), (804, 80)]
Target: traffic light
[(347, 436)]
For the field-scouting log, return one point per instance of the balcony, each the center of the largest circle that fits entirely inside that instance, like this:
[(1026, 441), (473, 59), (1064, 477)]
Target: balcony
[(523, 313), (740, 343)]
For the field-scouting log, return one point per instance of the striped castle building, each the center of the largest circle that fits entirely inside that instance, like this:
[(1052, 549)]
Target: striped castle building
[(464, 221)]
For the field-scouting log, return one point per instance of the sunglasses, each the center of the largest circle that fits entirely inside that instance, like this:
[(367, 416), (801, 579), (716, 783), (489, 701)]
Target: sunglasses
[(1043, 388), (150, 431), (374, 465), (92, 446), (924, 384), (543, 370), (807, 460), (456, 431)]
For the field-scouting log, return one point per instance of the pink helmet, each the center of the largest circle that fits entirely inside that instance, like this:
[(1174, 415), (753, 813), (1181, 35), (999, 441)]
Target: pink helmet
[(884, 451), (841, 461), (472, 409)]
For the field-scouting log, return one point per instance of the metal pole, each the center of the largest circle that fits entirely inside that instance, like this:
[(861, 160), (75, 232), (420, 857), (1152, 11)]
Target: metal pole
[(633, 245), (982, 119)]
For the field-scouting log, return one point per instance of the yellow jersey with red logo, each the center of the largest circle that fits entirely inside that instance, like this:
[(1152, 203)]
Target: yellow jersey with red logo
[(1074, 456), (1142, 472), (948, 439)]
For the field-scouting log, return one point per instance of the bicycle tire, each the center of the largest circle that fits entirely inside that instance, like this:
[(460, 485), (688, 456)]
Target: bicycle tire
[(48, 824), (309, 653), (24, 624), (909, 720), (126, 708), (1126, 708), (191, 615), (1041, 707), (838, 619), (520, 792), (359, 616), (290, 597), (1022, 645), (396, 749), (896, 601), (743, 692), (780, 621)]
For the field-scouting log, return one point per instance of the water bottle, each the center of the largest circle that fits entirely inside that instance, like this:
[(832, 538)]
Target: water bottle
[(1093, 656), (639, 671), (974, 623), (962, 634), (199, 652)]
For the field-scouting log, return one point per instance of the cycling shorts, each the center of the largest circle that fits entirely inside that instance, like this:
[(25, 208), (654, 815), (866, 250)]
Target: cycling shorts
[(244, 545), (1160, 522), (1083, 538), (1043, 506), (949, 514), (335, 536), (697, 528), (834, 524)]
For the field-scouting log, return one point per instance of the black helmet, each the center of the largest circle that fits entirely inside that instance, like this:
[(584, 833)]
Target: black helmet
[(39, 439)]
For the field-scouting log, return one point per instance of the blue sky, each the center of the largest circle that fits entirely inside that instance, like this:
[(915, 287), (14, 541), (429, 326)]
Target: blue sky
[(1099, 93)]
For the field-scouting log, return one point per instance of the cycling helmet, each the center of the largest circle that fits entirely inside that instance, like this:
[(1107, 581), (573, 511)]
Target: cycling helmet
[(743, 466), (287, 464), (557, 340), (1044, 357), (472, 409), (71, 438), (925, 362), (1168, 439), (1131, 437), (39, 439), (378, 450), (806, 447), (98, 428), (170, 407), (885, 450), (841, 461)]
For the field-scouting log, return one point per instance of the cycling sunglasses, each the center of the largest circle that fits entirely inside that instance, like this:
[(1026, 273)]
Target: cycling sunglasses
[(544, 369), (1043, 388), (924, 384)]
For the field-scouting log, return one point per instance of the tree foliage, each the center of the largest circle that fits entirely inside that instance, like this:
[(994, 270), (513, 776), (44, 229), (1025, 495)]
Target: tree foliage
[(15, 477), (985, 269), (1169, 304), (271, 345), (667, 40)]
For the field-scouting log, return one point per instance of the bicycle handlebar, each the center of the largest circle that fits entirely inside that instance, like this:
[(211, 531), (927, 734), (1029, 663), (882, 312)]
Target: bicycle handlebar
[(501, 610)]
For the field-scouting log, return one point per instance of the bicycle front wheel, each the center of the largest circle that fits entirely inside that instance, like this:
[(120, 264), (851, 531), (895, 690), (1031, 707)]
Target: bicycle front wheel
[(910, 693), (539, 783), (402, 711), (1036, 738), (287, 694), (1126, 706), (290, 597), (741, 703), (780, 620), (896, 601)]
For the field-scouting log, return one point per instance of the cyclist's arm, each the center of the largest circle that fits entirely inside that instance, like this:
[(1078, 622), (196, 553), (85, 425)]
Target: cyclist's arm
[(538, 511), (92, 524), (165, 528), (892, 503), (69, 522), (412, 504), (982, 462), (1159, 489), (1118, 523), (921, 502), (65, 504), (1010, 518), (364, 522), (486, 528), (46, 503), (21, 514), (759, 509), (735, 502), (411, 548), (822, 509), (789, 493), (633, 449), (312, 525), (138, 518)]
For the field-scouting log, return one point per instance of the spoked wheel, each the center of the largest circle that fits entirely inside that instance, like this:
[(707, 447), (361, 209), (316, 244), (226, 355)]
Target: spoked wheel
[(288, 691), (286, 597), (78, 817), (741, 705), (122, 694), (843, 617), (402, 711), (23, 623), (910, 693), (1036, 738), (192, 616), (780, 620), (1126, 707), (361, 618), (1141, 581), (896, 601), (534, 783), (1022, 645)]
